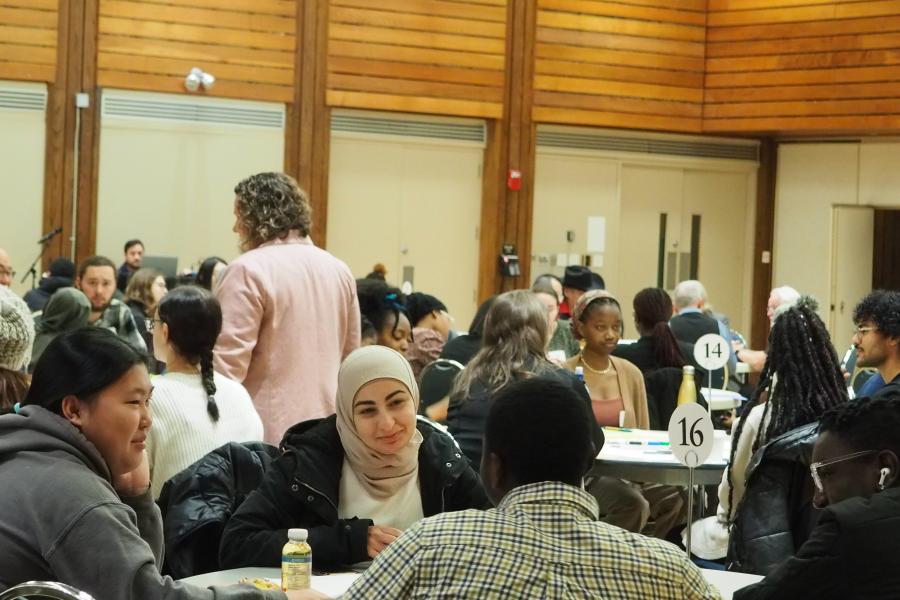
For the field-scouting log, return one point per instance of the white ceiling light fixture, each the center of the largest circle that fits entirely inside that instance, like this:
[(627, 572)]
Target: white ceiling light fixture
[(197, 79)]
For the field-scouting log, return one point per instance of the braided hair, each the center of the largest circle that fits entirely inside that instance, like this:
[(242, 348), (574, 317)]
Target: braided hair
[(802, 379), (194, 318), (652, 311), (378, 301)]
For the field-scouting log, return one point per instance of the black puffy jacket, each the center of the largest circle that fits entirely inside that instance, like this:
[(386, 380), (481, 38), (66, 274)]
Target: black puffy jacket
[(776, 515), (197, 503), (301, 489)]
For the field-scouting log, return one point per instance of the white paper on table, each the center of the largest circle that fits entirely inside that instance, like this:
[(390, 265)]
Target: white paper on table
[(596, 235), (335, 584)]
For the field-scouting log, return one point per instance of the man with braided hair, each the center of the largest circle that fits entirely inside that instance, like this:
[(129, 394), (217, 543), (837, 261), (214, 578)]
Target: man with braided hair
[(800, 380), (852, 551), (877, 337)]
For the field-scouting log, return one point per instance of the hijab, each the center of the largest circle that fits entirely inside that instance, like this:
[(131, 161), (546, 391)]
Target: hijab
[(380, 474)]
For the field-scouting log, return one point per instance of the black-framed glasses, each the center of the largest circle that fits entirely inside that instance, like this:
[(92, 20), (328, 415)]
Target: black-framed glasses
[(150, 323), (816, 466)]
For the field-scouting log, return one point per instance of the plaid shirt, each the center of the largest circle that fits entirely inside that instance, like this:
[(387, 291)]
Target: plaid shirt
[(542, 541), (118, 318)]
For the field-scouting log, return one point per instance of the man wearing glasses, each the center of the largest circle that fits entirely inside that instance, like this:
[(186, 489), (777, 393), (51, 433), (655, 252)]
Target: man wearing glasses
[(877, 340), (852, 551), (6, 270)]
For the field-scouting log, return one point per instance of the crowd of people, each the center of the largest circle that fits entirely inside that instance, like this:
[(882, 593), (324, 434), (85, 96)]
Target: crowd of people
[(112, 385)]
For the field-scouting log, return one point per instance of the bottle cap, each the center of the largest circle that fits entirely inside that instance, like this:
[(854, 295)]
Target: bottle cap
[(297, 535), (688, 369)]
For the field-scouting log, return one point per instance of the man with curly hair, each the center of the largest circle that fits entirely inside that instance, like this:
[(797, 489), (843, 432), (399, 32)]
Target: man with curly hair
[(290, 312), (877, 337)]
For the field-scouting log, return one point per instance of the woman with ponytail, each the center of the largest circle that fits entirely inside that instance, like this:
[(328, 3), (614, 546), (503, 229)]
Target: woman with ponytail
[(657, 346), (195, 410)]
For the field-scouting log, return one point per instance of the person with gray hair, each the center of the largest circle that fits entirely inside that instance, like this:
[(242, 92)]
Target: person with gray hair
[(780, 299), (690, 294), (691, 323)]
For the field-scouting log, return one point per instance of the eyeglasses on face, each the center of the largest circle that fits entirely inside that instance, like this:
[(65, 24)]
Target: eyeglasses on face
[(815, 467), (7, 273), (861, 331), (150, 323)]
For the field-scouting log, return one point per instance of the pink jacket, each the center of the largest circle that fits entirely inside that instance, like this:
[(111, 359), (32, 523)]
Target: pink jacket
[(290, 316)]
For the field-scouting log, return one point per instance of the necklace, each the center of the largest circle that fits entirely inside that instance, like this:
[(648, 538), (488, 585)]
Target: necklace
[(605, 371)]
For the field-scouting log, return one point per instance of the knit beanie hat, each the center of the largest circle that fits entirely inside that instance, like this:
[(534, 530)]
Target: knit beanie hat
[(16, 331)]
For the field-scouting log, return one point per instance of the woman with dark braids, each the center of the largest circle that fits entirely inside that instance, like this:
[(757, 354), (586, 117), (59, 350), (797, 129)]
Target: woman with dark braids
[(195, 410), (800, 380), (657, 346)]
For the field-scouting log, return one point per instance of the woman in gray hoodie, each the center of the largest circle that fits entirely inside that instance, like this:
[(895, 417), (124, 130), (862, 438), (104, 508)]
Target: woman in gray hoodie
[(75, 499)]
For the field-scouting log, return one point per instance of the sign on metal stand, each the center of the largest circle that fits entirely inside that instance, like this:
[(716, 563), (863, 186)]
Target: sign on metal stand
[(691, 441), (711, 352)]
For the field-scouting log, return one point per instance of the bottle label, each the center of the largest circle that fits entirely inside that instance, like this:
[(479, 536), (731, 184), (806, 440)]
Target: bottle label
[(296, 572)]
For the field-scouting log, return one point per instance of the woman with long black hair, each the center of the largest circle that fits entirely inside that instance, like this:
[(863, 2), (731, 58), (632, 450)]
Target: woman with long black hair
[(195, 409)]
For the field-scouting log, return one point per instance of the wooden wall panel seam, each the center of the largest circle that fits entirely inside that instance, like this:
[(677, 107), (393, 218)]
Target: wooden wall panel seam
[(415, 55), (625, 10), (285, 8), (469, 11), (562, 20), (222, 18)]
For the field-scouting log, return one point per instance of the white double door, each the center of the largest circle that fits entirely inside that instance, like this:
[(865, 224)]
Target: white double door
[(665, 222)]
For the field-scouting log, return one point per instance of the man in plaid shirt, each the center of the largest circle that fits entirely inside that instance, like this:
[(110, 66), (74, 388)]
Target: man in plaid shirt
[(543, 539), (97, 279)]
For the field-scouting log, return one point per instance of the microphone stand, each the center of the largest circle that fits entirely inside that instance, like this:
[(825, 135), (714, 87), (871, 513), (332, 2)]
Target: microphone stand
[(32, 270), (45, 243)]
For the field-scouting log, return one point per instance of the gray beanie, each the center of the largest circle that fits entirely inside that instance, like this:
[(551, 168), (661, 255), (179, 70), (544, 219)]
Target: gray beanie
[(16, 331)]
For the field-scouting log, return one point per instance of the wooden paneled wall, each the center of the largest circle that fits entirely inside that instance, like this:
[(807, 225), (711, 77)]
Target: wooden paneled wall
[(629, 63), (429, 56), (248, 45), (802, 66), (28, 36)]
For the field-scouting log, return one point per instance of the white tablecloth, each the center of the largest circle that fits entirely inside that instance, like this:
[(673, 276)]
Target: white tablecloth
[(336, 584), (728, 582), (331, 585)]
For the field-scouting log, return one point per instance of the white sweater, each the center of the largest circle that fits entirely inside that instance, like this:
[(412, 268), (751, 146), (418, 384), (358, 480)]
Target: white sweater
[(709, 536), (182, 430)]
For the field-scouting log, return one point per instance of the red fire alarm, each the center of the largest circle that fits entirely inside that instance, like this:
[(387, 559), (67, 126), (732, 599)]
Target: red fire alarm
[(514, 180)]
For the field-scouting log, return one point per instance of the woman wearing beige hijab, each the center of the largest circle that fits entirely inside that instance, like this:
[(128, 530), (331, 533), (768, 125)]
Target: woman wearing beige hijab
[(356, 479)]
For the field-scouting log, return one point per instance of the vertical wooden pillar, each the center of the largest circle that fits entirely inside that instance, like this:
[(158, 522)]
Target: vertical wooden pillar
[(506, 214), (764, 241), (76, 71), (89, 137), (308, 130)]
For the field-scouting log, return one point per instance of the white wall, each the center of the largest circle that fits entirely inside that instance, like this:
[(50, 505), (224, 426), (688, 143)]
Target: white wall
[(813, 179), (409, 202), (631, 190), (171, 183), (22, 174)]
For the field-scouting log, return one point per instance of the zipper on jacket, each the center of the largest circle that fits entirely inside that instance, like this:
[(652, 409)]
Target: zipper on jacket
[(324, 495)]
